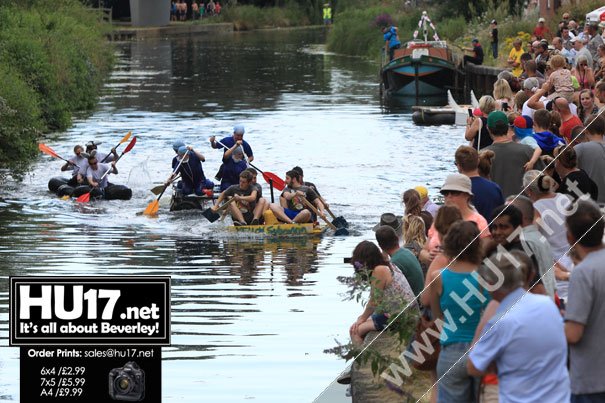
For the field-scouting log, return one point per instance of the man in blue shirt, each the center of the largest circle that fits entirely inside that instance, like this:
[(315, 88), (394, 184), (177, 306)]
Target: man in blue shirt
[(391, 40), (525, 339), (486, 194), (228, 142), (193, 179)]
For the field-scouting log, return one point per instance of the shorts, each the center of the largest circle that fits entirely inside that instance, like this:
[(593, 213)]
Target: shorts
[(291, 213), (380, 321), (248, 217)]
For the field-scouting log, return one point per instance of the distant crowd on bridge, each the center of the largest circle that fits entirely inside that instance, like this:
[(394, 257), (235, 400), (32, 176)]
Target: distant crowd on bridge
[(199, 10)]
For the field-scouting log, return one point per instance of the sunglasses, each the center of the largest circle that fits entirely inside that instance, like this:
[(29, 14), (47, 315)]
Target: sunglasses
[(451, 192)]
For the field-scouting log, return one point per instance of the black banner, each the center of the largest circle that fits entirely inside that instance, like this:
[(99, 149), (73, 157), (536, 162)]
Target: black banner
[(89, 310)]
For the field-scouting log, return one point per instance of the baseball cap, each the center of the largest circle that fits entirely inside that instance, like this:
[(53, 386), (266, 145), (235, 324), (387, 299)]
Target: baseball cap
[(574, 39), (422, 191), (541, 19), (475, 40), (177, 144), (239, 129), (496, 117), (523, 122), (494, 22), (182, 150)]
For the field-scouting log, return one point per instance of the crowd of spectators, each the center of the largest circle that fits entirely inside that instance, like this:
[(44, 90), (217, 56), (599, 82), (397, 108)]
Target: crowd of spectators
[(179, 11)]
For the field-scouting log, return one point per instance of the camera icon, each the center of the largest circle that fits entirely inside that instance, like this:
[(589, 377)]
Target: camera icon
[(127, 383)]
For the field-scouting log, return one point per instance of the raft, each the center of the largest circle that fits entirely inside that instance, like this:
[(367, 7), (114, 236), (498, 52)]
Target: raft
[(284, 230), (60, 186), (423, 116), (178, 202)]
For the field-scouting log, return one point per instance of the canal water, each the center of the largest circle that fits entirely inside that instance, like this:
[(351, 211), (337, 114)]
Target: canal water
[(250, 317)]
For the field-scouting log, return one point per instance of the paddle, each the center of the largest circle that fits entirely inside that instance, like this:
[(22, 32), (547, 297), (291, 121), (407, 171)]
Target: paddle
[(86, 196), (154, 206), (47, 150), (124, 140), (339, 221), (272, 179), (337, 231), (212, 216), (156, 190)]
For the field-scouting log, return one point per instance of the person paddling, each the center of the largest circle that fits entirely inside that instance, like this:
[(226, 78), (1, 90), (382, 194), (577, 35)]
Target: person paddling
[(77, 164), (228, 142), (292, 209), (193, 179), (243, 211), (95, 175)]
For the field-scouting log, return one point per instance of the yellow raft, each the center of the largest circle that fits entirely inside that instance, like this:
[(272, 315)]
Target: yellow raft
[(281, 230)]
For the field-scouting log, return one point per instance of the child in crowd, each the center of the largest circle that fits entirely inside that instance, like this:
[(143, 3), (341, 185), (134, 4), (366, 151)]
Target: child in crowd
[(524, 127), (546, 140), (560, 79)]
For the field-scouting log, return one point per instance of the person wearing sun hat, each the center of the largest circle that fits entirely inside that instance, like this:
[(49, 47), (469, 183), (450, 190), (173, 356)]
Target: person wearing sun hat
[(390, 220), (510, 157)]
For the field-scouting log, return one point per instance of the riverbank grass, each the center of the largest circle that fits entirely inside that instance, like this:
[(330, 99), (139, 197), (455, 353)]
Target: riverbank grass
[(53, 61)]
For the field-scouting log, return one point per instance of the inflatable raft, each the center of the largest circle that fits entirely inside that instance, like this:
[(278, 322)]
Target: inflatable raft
[(63, 187)]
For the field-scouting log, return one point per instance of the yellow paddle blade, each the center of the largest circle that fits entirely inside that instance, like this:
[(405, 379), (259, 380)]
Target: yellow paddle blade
[(152, 208), (125, 138), (66, 197)]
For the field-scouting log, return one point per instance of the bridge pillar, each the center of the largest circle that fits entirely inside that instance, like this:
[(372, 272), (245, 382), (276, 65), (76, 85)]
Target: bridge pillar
[(150, 13)]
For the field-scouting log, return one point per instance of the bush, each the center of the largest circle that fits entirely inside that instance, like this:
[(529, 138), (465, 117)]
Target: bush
[(53, 61), (250, 17)]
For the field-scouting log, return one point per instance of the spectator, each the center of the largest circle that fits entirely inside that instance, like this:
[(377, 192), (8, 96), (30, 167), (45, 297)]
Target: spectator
[(585, 313), (503, 95), (477, 57), (534, 243), (494, 38), (578, 46), (591, 155), (595, 41), (600, 74), (390, 291), (425, 200), (568, 119), (574, 181), (541, 31), (514, 57), (530, 69), (476, 127), (486, 194), (523, 322), (414, 238), (550, 217), (583, 73), (510, 158), (523, 127), (486, 158), (566, 37), (402, 258), (462, 247), (587, 105)]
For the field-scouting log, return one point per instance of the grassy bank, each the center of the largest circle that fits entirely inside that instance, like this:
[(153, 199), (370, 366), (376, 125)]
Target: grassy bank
[(53, 60), (356, 27)]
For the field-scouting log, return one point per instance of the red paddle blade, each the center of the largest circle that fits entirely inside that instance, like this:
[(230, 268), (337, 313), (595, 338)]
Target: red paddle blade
[(47, 150), (130, 145), (278, 183), (84, 198)]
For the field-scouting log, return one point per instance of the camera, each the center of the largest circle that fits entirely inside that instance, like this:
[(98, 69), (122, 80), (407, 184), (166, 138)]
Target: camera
[(127, 383)]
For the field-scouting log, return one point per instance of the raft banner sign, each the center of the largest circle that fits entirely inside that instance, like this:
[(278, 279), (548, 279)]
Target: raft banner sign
[(89, 310)]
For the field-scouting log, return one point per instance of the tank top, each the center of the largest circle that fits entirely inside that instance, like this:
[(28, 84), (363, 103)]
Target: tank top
[(460, 325), (398, 294)]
